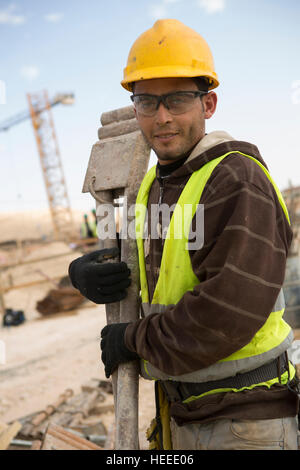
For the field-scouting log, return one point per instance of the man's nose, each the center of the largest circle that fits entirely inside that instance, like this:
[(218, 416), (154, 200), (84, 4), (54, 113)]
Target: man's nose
[(163, 115)]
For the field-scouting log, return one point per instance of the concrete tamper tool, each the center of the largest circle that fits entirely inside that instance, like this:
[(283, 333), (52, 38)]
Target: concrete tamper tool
[(118, 162)]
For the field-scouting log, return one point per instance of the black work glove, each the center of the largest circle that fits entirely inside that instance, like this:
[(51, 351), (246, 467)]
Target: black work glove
[(113, 347), (101, 282)]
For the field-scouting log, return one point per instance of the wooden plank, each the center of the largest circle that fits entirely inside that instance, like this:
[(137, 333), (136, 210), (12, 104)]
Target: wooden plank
[(52, 408), (8, 434), (36, 445), (83, 412), (57, 438)]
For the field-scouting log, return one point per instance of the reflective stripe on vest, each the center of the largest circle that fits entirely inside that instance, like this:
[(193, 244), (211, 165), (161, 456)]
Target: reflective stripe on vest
[(176, 277)]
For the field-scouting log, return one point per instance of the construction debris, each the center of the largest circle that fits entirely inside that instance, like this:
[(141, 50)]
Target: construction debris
[(13, 317), (7, 433), (57, 438), (60, 300), (51, 408), (71, 422)]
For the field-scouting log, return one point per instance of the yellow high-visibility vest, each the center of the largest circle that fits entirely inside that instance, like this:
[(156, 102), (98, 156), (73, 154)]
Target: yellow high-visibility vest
[(176, 277)]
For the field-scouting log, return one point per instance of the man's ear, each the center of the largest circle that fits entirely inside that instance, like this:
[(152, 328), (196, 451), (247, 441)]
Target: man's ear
[(210, 104)]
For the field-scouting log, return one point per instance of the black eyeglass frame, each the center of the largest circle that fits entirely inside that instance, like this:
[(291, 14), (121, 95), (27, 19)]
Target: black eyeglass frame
[(162, 98)]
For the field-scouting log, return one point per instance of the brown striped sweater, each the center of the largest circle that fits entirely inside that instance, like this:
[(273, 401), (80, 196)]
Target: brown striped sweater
[(240, 268)]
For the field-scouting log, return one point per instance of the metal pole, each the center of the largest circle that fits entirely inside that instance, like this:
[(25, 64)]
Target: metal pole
[(112, 310), (127, 436)]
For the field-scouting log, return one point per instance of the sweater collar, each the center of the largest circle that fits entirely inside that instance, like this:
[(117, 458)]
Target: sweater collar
[(211, 146)]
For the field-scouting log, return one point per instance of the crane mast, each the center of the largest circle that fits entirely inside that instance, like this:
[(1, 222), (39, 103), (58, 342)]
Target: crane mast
[(55, 183)]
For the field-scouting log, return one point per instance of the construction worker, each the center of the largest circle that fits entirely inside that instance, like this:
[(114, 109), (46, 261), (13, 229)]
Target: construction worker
[(212, 332), (86, 231), (94, 224)]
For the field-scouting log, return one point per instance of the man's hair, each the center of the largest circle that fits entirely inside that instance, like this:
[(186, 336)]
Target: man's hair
[(201, 82)]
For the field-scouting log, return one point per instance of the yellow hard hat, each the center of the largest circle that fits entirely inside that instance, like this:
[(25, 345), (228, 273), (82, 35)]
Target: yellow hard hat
[(169, 49)]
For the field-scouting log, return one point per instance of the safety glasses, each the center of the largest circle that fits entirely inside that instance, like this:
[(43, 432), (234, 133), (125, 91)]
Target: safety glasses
[(178, 102)]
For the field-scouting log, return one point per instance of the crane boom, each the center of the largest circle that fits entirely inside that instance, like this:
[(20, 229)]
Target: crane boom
[(20, 117)]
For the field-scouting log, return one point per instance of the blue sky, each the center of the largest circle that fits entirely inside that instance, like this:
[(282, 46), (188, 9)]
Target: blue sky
[(82, 47)]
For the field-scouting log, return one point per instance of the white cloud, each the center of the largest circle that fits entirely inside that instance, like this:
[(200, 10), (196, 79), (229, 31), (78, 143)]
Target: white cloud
[(30, 72), (158, 11), (7, 16), (54, 17), (212, 6), (161, 10)]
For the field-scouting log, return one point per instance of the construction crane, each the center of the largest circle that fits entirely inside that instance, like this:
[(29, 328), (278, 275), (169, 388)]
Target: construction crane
[(43, 125)]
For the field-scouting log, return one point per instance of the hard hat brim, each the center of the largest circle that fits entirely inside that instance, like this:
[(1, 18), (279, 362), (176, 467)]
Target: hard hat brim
[(169, 72)]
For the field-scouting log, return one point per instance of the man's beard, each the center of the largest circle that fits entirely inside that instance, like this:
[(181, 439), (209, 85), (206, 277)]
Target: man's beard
[(166, 156)]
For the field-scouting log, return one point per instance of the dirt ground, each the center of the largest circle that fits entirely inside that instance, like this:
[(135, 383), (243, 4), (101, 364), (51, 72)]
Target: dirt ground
[(46, 355)]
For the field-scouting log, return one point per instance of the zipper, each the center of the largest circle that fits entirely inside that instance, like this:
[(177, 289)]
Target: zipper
[(159, 224), (161, 190)]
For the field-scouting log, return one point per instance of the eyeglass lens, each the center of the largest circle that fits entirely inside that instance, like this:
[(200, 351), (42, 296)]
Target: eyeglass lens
[(176, 103)]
